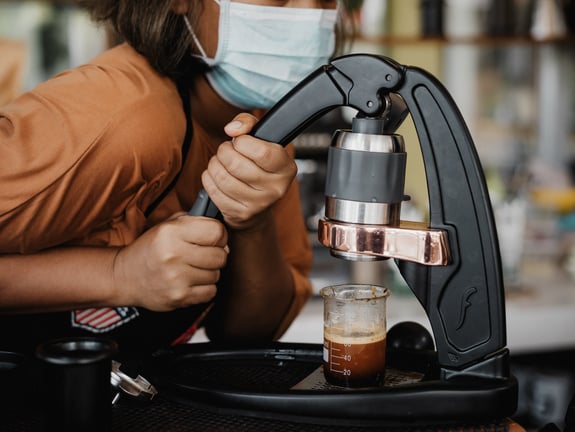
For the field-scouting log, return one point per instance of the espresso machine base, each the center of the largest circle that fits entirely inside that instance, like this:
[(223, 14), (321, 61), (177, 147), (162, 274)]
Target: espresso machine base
[(285, 380)]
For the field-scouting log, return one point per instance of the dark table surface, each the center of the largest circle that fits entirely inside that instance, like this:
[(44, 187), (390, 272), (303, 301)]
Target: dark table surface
[(165, 415), (21, 411)]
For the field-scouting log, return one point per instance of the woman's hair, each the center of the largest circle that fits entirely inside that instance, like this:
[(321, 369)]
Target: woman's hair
[(151, 28), (155, 31)]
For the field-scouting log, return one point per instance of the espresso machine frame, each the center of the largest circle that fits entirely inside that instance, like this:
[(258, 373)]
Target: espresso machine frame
[(468, 374)]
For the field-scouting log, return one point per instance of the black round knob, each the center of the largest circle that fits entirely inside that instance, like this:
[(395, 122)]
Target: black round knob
[(409, 335)]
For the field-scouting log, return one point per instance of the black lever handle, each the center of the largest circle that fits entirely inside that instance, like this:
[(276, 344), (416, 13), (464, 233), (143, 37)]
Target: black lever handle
[(204, 206), (314, 96)]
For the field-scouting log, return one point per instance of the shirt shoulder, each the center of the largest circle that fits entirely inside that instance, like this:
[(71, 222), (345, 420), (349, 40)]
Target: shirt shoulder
[(107, 129), (113, 83)]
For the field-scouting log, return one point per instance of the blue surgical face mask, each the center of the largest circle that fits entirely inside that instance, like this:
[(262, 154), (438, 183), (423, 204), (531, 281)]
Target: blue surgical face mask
[(264, 51)]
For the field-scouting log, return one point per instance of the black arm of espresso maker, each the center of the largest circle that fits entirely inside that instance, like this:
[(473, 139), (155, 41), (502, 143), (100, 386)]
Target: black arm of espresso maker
[(464, 299)]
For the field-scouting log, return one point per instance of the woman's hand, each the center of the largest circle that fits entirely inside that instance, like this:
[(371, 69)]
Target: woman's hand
[(174, 264), (247, 175)]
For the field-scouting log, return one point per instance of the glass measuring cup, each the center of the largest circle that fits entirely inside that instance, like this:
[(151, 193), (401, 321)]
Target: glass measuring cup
[(355, 331)]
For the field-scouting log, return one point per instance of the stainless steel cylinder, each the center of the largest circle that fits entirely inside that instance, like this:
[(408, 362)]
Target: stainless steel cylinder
[(365, 178)]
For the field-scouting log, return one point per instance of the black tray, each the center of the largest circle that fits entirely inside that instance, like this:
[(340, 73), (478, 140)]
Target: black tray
[(284, 380)]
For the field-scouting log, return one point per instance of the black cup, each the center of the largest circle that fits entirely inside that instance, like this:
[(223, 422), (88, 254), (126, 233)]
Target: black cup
[(76, 383)]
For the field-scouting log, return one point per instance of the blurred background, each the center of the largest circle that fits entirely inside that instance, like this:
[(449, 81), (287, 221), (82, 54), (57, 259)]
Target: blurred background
[(510, 66)]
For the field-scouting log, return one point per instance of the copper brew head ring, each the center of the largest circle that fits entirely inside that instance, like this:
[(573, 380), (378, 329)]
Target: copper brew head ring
[(410, 241)]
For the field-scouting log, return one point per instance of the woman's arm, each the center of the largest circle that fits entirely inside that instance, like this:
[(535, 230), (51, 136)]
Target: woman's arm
[(57, 279), (174, 264), (260, 288), (252, 183)]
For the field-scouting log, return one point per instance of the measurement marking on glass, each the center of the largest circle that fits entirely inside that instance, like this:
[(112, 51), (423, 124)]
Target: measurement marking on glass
[(335, 359)]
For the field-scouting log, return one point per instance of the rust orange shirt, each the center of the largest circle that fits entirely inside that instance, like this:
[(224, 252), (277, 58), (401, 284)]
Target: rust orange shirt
[(85, 154)]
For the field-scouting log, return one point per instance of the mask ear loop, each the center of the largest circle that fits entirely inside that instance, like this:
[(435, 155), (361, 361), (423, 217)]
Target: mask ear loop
[(195, 38)]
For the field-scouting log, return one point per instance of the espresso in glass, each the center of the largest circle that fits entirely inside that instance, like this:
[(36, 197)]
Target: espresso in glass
[(354, 335), (356, 361)]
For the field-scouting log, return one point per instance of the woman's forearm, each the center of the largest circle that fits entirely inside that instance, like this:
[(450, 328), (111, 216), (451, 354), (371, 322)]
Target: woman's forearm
[(260, 287), (57, 279), (172, 265)]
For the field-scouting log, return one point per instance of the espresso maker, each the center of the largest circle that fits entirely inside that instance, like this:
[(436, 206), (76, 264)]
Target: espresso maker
[(451, 263)]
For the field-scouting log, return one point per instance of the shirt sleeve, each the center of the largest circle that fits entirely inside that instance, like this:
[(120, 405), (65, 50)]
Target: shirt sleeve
[(80, 157)]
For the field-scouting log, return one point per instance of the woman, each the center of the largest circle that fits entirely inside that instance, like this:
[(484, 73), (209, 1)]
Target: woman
[(99, 165)]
